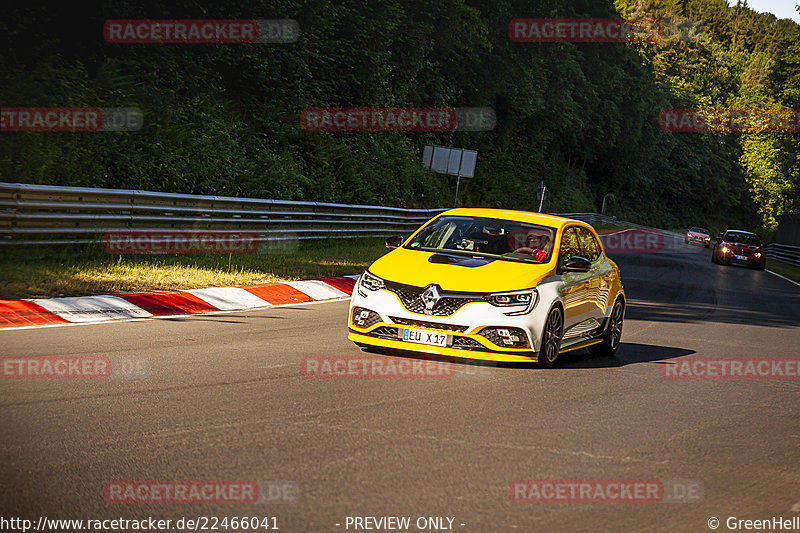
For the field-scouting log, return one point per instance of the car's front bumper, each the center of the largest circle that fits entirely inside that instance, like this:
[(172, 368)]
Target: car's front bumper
[(705, 241), (729, 258), (442, 351), (750, 262), (464, 327)]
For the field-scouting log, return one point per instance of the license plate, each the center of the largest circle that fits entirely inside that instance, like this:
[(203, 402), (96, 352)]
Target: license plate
[(426, 337), (741, 257)]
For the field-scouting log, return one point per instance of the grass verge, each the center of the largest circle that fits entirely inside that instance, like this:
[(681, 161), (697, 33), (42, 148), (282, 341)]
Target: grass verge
[(86, 270), (784, 269), (47, 271)]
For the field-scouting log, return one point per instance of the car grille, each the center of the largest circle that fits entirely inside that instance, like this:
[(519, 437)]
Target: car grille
[(447, 305), (384, 331), (459, 342), (466, 342), (429, 325)]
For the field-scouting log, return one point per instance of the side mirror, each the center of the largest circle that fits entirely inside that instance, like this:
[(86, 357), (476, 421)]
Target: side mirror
[(577, 263), (394, 242)]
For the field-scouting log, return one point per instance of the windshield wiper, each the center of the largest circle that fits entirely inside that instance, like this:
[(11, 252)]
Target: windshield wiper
[(477, 254), (459, 252)]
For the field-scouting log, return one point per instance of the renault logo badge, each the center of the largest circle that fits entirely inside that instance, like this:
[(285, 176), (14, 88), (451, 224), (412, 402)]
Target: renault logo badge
[(430, 297)]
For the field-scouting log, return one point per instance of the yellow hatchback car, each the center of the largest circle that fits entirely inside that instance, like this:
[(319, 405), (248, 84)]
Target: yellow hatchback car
[(492, 284)]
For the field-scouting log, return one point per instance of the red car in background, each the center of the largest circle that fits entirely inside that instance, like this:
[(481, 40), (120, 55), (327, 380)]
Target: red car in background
[(739, 247), (698, 236)]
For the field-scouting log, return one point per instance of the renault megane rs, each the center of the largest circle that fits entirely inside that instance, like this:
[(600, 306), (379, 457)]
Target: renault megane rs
[(491, 284)]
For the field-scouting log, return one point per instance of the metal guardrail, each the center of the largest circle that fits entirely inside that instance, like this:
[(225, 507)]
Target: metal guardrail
[(784, 253), (38, 214), (595, 218), (45, 214)]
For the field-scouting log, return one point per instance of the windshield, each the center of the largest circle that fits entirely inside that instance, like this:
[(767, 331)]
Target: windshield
[(700, 230), (742, 238), (486, 237)]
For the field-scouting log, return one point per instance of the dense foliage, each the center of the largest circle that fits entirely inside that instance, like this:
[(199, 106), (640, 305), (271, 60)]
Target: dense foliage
[(224, 118)]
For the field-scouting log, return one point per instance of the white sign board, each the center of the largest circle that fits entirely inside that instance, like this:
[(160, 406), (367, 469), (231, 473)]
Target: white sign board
[(468, 160), (427, 156), (453, 161), (441, 156), (454, 164)]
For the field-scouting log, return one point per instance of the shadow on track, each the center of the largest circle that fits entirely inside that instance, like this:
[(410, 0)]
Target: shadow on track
[(628, 353)]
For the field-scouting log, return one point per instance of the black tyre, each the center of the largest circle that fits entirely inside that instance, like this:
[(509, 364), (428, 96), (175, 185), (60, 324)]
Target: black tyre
[(551, 338), (613, 332)]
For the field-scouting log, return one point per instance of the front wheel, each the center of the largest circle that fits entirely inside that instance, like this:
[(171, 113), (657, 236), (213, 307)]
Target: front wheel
[(613, 333), (551, 338)]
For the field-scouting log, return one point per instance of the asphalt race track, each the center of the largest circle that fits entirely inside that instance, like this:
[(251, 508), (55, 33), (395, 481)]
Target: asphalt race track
[(223, 397)]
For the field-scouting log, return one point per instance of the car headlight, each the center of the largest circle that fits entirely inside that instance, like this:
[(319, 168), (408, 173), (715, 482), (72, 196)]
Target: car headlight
[(515, 299), (369, 282), (757, 254), (725, 250)]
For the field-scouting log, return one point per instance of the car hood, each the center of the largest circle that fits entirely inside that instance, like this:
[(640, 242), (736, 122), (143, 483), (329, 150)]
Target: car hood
[(459, 273)]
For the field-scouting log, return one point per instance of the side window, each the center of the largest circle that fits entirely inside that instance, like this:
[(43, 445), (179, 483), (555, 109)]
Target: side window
[(589, 246), (569, 245)]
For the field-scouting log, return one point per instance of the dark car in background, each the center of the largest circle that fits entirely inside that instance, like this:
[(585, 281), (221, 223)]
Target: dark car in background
[(737, 247), (697, 235)]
